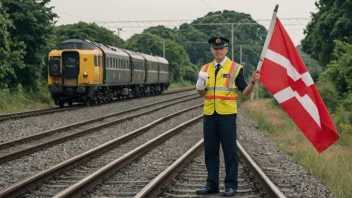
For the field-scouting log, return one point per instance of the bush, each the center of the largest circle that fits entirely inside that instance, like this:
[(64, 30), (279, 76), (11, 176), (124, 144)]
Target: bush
[(328, 92), (347, 102), (19, 99)]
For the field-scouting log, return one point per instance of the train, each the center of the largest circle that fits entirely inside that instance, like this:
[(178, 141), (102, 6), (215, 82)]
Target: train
[(83, 71)]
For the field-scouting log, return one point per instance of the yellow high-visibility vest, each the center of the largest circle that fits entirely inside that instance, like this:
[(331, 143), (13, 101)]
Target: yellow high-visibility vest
[(221, 91)]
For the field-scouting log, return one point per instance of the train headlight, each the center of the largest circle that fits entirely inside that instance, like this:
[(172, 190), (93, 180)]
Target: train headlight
[(85, 74), (56, 82)]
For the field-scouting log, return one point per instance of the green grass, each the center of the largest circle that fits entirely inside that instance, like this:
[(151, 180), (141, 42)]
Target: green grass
[(18, 99), (181, 85), (333, 167)]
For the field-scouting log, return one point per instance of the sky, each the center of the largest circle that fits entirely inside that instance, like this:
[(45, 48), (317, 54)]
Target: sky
[(121, 15)]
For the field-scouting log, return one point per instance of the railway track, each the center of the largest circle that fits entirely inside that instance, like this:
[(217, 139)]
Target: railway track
[(18, 115), (27, 145), (188, 173), (103, 155), (116, 163), (25, 114)]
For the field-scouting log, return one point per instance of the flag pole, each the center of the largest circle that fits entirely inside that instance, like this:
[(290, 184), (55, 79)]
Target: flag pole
[(268, 38), (265, 49)]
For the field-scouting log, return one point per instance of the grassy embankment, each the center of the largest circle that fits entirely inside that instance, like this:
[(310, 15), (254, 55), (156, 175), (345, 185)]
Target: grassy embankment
[(21, 100), (333, 167)]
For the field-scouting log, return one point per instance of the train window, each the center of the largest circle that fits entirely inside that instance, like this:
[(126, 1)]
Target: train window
[(99, 60), (95, 61)]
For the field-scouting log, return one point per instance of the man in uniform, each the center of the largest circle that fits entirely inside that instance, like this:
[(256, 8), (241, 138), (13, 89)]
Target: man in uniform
[(219, 83)]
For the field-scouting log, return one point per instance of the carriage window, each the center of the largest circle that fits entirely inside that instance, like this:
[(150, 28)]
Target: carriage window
[(95, 61), (99, 60)]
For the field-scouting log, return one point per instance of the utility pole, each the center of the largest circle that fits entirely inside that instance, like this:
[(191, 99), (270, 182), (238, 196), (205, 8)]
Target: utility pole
[(232, 43), (240, 54), (118, 31), (164, 48)]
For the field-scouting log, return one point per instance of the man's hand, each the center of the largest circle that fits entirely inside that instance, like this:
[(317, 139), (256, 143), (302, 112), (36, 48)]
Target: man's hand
[(203, 75), (255, 76), (202, 79)]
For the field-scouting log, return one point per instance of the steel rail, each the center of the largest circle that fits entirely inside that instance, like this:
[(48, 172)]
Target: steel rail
[(268, 186), (24, 114), (155, 187), (28, 150), (36, 179), (98, 176), (49, 132)]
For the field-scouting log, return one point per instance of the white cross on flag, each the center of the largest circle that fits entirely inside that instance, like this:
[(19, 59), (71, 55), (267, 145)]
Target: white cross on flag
[(286, 77)]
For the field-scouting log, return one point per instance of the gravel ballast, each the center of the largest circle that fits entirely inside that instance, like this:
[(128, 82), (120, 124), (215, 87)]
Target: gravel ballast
[(265, 152), (14, 129), (18, 169)]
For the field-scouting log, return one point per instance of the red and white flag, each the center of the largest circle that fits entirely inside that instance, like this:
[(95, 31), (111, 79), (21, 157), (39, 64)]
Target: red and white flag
[(286, 77)]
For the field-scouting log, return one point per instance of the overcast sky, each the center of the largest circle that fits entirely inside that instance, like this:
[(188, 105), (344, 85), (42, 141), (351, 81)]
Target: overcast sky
[(100, 11)]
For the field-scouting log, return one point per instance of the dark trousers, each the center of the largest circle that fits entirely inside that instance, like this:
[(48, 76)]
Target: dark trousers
[(220, 129)]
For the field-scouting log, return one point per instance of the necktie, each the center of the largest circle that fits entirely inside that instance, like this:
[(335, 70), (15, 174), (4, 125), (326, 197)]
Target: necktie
[(218, 66)]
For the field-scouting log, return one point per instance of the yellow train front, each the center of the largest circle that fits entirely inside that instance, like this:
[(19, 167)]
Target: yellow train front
[(82, 71)]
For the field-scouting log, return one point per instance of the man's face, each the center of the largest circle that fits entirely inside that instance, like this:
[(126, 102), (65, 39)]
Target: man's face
[(219, 53)]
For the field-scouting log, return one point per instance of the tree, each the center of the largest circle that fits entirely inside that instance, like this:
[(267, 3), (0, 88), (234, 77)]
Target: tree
[(340, 69), (33, 26), (165, 33), (11, 52), (248, 35), (196, 44), (90, 31), (331, 22)]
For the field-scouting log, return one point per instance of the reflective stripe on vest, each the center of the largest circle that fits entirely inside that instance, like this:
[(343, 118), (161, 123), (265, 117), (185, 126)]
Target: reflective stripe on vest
[(233, 71), (221, 89), (221, 97), (206, 67)]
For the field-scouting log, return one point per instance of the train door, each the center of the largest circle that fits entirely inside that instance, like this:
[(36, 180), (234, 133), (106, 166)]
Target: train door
[(96, 69), (158, 68), (70, 66), (101, 69)]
